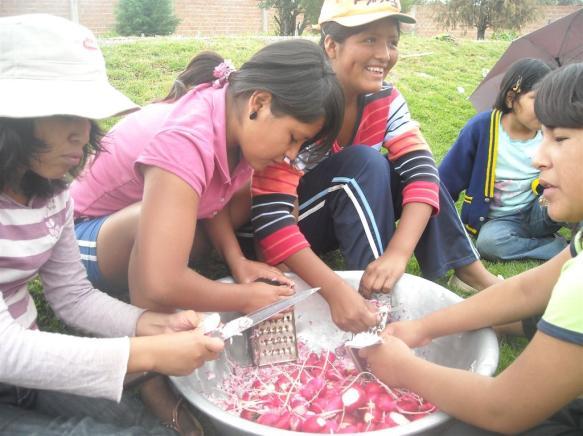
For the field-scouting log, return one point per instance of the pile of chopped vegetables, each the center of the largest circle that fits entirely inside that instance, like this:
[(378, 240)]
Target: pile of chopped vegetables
[(320, 393)]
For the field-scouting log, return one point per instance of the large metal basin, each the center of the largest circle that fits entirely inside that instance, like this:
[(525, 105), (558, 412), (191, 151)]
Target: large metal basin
[(476, 351)]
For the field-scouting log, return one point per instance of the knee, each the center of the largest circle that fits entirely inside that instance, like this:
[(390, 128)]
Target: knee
[(492, 246), (361, 159)]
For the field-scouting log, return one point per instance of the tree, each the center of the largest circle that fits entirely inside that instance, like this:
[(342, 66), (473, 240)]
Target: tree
[(287, 13), (145, 17), (406, 5), (561, 2), (484, 14)]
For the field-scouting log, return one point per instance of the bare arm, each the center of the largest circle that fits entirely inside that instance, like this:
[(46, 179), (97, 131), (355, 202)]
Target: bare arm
[(512, 300), (382, 274), (158, 271), (349, 310), (545, 377), (222, 235)]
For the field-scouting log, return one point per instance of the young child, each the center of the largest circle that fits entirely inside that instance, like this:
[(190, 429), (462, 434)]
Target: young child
[(492, 162), (53, 85), (183, 159), (548, 375), (353, 197)]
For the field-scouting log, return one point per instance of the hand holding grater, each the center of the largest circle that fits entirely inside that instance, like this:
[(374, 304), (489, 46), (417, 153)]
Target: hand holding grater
[(271, 340), (367, 339)]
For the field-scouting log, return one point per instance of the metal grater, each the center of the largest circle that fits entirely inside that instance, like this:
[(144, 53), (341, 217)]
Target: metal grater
[(274, 340), (383, 313)]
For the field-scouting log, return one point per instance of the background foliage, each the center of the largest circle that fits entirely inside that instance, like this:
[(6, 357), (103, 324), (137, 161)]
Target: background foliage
[(145, 17)]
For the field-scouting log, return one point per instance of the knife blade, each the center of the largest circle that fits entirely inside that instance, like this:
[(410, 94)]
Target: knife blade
[(239, 325)]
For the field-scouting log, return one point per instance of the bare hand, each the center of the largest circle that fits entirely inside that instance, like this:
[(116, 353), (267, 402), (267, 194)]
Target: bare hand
[(382, 274), (173, 353), (262, 294), (388, 360), (410, 332), (182, 321), (248, 271), (351, 312)]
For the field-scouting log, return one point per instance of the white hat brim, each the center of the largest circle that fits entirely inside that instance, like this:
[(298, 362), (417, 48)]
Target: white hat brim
[(360, 19), (26, 98)]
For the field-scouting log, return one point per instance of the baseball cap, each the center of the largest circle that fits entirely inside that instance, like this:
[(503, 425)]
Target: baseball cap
[(352, 13), (52, 66)]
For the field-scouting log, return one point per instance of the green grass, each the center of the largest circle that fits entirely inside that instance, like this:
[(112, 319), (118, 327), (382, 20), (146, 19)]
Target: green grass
[(429, 75)]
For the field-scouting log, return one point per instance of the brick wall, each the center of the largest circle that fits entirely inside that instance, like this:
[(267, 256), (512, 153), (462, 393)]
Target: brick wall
[(231, 17), (17, 7), (98, 15), (197, 17), (212, 17), (427, 25)]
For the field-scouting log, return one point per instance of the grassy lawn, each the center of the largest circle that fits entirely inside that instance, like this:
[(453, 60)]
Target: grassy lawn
[(435, 76)]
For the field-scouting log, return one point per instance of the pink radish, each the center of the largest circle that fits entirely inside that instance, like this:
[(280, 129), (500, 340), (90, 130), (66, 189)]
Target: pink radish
[(284, 421), (248, 414), (385, 403), (408, 405), (268, 418), (347, 429), (314, 424), (398, 418), (353, 398), (373, 388)]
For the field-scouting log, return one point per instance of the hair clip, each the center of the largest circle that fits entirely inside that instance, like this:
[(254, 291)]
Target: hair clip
[(516, 87), (222, 73)]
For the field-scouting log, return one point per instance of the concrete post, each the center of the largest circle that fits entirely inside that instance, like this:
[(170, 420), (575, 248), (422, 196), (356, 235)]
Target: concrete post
[(74, 10)]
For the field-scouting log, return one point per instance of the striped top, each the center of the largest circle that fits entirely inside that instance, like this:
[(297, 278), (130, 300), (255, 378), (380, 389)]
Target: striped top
[(384, 122), (39, 239)]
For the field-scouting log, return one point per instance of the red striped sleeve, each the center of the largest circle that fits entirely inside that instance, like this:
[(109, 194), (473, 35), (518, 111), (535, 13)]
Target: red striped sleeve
[(281, 244), (412, 140), (277, 178), (422, 192)]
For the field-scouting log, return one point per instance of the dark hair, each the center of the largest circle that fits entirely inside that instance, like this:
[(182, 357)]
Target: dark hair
[(301, 82), (559, 98), (199, 70), (295, 72), (521, 78), (19, 147), (340, 33)]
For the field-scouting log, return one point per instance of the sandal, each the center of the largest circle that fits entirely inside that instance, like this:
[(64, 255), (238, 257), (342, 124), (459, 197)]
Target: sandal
[(182, 411), (457, 283)]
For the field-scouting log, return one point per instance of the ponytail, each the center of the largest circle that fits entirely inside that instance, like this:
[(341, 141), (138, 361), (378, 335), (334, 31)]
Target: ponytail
[(199, 70)]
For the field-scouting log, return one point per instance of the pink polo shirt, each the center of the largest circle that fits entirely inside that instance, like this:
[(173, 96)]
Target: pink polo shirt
[(186, 138)]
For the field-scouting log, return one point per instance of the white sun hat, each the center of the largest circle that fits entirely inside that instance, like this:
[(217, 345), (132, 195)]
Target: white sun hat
[(352, 13), (52, 66)]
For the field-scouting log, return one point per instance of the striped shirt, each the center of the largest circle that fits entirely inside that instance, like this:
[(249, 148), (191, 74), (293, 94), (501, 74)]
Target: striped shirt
[(38, 239), (384, 122)]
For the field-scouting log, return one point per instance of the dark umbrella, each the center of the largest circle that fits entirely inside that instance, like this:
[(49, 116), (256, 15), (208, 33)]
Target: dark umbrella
[(557, 43)]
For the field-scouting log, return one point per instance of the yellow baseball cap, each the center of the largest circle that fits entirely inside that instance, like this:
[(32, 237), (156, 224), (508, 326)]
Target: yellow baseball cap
[(352, 13)]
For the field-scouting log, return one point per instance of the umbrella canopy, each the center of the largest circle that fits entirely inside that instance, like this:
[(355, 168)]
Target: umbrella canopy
[(557, 43)]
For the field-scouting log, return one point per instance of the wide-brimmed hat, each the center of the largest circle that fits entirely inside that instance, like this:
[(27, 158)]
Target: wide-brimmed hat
[(52, 66), (352, 13)]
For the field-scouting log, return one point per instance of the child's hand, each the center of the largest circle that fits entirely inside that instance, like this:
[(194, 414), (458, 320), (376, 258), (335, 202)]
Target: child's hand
[(388, 360), (182, 321), (156, 323), (382, 274), (351, 312), (410, 332), (174, 353), (260, 294), (247, 271)]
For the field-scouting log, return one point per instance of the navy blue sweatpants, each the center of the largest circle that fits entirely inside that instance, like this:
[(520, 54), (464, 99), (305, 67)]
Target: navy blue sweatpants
[(352, 200)]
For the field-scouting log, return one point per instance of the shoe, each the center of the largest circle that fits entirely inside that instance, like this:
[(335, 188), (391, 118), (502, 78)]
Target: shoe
[(196, 427), (457, 283)]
